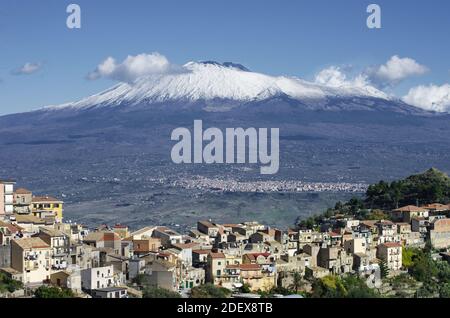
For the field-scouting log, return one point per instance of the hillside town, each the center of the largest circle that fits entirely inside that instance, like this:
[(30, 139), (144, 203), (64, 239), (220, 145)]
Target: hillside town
[(38, 248)]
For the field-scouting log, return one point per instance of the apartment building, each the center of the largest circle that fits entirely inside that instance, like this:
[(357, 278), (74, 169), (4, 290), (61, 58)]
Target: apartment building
[(6, 197), (391, 253), (31, 257)]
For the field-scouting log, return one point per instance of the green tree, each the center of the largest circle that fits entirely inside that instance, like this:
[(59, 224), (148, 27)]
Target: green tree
[(156, 292), (9, 284), (350, 286), (384, 269), (297, 282), (210, 291), (53, 292)]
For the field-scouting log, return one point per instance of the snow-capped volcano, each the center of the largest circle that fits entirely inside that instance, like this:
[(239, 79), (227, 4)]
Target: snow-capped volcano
[(215, 81)]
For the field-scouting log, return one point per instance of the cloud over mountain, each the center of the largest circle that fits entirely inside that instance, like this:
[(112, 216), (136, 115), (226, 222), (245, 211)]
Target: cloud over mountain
[(334, 76), (133, 67), (430, 97), (395, 70)]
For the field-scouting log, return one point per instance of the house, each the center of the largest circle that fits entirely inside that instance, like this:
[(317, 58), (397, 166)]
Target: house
[(439, 233), (391, 253), (6, 197), (420, 225), (168, 237), (8, 232), (216, 263), (230, 277), (146, 245), (110, 292), (121, 230), (162, 274), (191, 277), (257, 278), (200, 257), (47, 204), (356, 245), (387, 231), (316, 272), (335, 259), (99, 277), (23, 201), (143, 233), (208, 228), (67, 279), (60, 244), (313, 251), (30, 223), (33, 258), (104, 240), (436, 207), (407, 213), (261, 237)]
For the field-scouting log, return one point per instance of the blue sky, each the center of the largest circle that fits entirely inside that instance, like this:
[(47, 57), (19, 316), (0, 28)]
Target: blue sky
[(297, 38)]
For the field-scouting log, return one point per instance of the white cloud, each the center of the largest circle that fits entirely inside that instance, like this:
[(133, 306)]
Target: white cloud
[(396, 70), (27, 69), (431, 97), (334, 76), (133, 67)]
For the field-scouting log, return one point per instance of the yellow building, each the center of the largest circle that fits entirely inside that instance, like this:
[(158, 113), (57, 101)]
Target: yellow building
[(47, 204)]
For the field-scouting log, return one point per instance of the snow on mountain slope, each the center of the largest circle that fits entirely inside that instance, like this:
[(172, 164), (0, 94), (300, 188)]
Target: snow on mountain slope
[(212, 80)]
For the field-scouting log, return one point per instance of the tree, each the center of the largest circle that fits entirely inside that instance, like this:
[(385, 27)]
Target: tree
[(384, 269), (350, 286), (53, 292), (156, 292), (9, 284), (297, 282), (141, 280), (209, 291)]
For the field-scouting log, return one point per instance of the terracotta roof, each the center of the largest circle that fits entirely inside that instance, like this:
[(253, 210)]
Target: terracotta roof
[(369, 223), (102, 236), (51, 232), (207, 224), (249, 267), (22, 191), (43, 199), (120, 226), (32, 242), (409, 209), (256, 255), (185, 245), (391, 244), (28, 218), (217, 255), (436, 206), (13, 228), (201, 251)]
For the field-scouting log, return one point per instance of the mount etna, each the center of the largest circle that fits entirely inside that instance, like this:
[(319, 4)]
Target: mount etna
[(108, 155)]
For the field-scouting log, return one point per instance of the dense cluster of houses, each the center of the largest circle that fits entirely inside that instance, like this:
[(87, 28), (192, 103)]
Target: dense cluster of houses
[(37, 247)]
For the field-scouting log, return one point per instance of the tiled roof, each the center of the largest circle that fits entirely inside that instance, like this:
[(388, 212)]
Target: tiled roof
[(32, 242)]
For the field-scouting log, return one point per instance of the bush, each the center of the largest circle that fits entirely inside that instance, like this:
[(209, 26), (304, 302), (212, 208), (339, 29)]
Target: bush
[(210, 291), (53, 292), (156, 292), (9, 284), (341, 287)]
